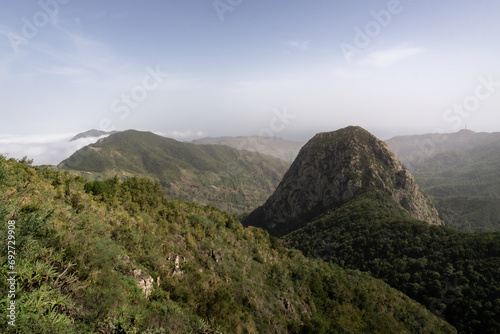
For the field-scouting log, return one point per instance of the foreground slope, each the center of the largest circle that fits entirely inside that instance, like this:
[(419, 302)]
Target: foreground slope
[(330, 170), (234, 180), (110, 256)]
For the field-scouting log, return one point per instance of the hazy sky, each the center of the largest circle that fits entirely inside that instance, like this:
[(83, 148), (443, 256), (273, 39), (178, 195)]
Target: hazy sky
[(247, 67)]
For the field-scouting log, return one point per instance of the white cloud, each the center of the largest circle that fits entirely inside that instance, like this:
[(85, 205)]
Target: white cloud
[(187, 134), (347, 73), (267, 84), (302, 45), (6, 139), (45, 149), (388, 57), (70, 71)]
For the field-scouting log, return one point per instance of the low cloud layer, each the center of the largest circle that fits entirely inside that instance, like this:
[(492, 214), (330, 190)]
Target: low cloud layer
[(42, 149)]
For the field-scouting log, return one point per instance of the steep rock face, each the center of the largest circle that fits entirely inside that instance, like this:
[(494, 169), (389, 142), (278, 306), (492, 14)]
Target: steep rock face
[(331, 169)]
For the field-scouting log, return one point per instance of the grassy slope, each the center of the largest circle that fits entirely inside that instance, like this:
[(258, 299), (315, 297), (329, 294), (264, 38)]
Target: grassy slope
[(76, 249), (454, 273), (233, 180)]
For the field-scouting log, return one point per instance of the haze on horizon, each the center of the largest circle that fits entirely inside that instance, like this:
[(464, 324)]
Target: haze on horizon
[(240, 67)]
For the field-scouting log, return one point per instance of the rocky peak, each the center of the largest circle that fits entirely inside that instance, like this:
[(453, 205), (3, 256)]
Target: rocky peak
[(331, 169)]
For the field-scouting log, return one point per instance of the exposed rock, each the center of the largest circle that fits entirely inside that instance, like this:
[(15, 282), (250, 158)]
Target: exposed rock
[(145, 282), (330, 170), (215, 255), (177, 264), (288, 305)]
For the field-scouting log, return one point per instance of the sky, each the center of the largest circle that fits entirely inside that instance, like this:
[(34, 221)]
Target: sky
[(289, 69)]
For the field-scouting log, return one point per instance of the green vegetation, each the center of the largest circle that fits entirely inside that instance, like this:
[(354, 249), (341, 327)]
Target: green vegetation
[(230, 179), (78, 242), (455, 274), (460, 171), (466, 187), (470, 214), (472, 173)]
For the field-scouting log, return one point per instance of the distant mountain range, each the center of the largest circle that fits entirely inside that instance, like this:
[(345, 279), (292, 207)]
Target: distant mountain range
[(231, 179), (463, 165), (283, 149), (461, 171), (92, 134), (417, 151), (286, 150)]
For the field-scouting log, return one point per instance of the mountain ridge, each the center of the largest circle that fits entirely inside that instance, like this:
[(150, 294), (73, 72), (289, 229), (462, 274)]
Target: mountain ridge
[(280, 148), (331, 169), (231, 179), (461, 171), (93, 133), (414, 150)]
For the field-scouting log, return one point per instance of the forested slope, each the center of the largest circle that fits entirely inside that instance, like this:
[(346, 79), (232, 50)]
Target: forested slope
[(455, 274)]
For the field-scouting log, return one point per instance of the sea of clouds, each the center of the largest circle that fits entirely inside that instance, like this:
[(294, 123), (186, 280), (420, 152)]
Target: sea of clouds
[(45, 149)]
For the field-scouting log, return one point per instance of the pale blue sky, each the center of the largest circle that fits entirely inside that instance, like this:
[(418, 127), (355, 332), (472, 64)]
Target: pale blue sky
[(231, 76)]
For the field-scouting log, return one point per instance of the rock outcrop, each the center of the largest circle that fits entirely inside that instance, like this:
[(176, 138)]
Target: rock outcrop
[(144, 281), (177, 264), (330, 170)]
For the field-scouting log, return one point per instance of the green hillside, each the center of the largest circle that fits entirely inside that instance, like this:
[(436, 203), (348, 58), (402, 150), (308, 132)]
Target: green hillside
[(459, 170), (470, 214), (455, 274), (474, 172), (80, 246), (233, 180)]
